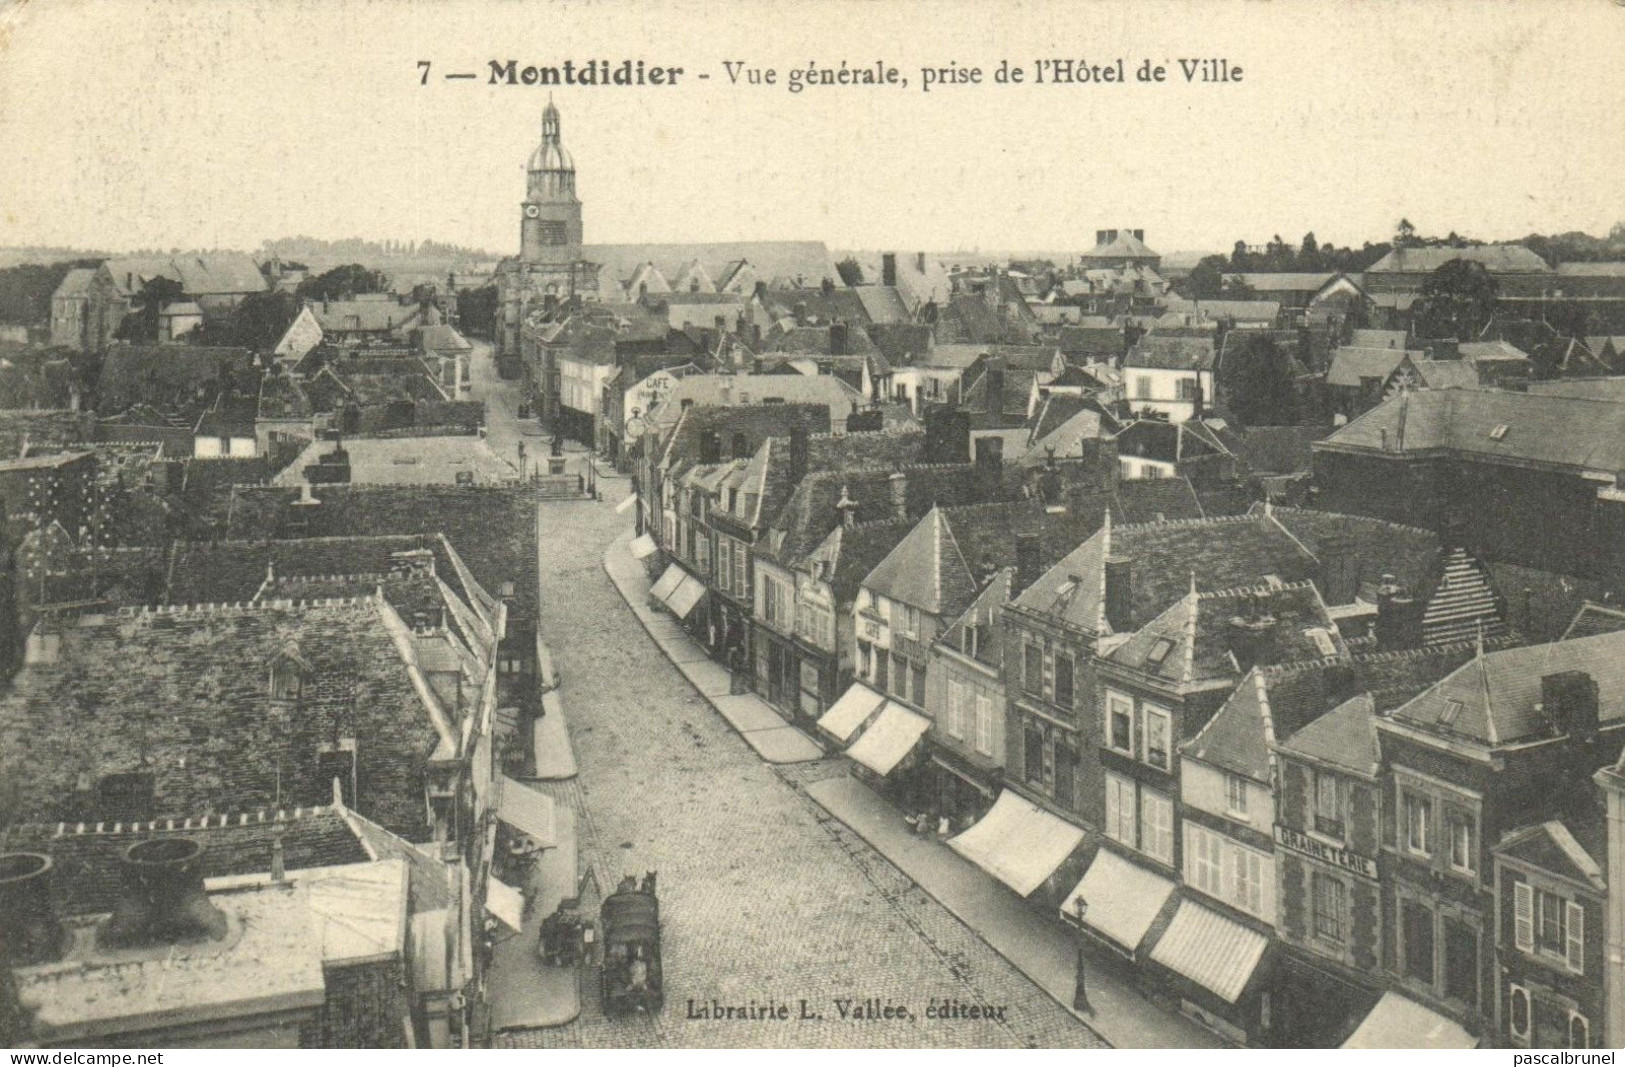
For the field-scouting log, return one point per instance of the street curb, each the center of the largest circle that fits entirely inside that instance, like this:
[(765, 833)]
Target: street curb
[(644, 617), (951, 910)]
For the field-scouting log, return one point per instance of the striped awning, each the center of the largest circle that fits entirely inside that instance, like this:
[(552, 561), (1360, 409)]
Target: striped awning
[(1018, 843), (506, 903), (1216, 953), (844, 717), (668, 582), (889, 738), (1122, 898), (1400, 1022), (526, 810)]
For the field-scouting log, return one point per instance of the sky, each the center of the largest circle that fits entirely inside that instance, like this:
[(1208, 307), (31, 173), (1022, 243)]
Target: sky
[(219, 123)]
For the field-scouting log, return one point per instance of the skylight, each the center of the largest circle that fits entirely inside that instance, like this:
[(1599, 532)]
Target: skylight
[(1448, 714), (1159, 651), (1499, 432), (1322, 640)]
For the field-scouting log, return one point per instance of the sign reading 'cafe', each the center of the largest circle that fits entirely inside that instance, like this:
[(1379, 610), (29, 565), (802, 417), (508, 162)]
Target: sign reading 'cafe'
[(1324, 852)]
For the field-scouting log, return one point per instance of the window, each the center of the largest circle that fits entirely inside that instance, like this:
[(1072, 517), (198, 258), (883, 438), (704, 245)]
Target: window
[(1518, 1013), (1247, 880), (1329, 805), (1235, 794), (1417, 932), (984, 724), (505, 590), (899, 676), (917, 688), (956, 708), (1142, 387), (1121, 811), (880, 676), (1032, 669), (866, 663), (907, 618), (1063, 680), (1187, 389), (1327, 905), (1066, 766), (1156, 737), (1579, 1031), (1549, 923), (1550, 927), (1204, 860), (1418, 811), (1460, 962), (1033, 755), (1462, 853), (1157, 826), (1120, 723)]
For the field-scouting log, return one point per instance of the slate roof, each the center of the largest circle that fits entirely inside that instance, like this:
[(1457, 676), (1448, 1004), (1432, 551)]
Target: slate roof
[(1156, 500), (757, 422), (87, 875), (1280, 449), (848, 555), (1105, 342), (1124, 246), (75, 282), (1575, 847), (1166, 442), (365, 316), (1196, 640), (1510, 259), (182, 695), (1236, 310), (745, 390), (903, 344), (1553, 430), (1372, 547), (936, 567), (1593, 619), (1498, 692), (840, 304), (1345, 737), (983, 612), (200, 273), (778, 263), (1365, 338), (1447, 373), (1351, 365), (1162, 352), (1285, 281)]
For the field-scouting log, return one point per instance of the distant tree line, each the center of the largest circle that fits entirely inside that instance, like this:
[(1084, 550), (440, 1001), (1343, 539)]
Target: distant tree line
[(25, 290), (355, 247)]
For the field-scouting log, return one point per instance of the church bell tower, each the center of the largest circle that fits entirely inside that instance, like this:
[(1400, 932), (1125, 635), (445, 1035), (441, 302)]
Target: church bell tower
[(550, 227)]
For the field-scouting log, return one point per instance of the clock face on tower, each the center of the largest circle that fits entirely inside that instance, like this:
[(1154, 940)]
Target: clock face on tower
[(531, 211)]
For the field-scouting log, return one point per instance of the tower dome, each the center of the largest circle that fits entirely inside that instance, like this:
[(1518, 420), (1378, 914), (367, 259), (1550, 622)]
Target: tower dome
[(550, 154)]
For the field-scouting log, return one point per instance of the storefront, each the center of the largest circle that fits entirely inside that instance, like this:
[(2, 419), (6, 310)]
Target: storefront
[(960, 792), (1400, 1022), (1215, 966)]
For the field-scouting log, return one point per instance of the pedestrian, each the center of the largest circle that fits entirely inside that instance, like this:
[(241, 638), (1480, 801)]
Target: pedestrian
[(1080, 990)]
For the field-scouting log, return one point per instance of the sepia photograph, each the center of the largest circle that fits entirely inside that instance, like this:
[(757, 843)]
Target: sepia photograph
[(812, 524)]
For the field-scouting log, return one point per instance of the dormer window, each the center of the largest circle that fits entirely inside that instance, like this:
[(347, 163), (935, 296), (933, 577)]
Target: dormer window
[(505, 590)]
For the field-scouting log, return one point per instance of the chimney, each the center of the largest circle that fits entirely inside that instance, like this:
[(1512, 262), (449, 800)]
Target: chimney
[(1139, 235), (1120, 593), (1399, 617), (1100, 237), (1569, 701), (1252, 632), (1111, 235), (412, 563), (993, 385), (800, 313), (847, 508), (837, 339), (1029, 562), (919, 262), (828, 287), (29, 932), (163, 899), (799, 450), (898, 483), (710, 447), (740, 448), (947, 435), (888, 268)]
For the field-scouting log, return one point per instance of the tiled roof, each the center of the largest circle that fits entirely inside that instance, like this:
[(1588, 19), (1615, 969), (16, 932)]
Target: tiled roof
[(200, 273), (86, 862), (1105, 342), (1285, 281), (1344, 737), (1495, 258), (1494, 698), (743, 390), (1364, 338), (1371, 547), (779, 263), (1162, 352), (1086, 422), (1561, 431), (1124, 245), (840, 304), (811, 513), (1280, 449), (1156, 500), (983, 614), (365, 316), (1164, 441), (182, 695), (1574, 847), (756, 421), (850, 554), (1593, 619), (75, 282)]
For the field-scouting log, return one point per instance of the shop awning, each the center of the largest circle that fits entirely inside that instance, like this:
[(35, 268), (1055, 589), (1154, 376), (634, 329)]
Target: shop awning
[(1217, 953), (1400, 1022), (1018, 843), (889, 738), (526, 810), (688, 594), (643, 546), (506, 903), (668, 582), (1123, 899), (962, 775), (850, 712)]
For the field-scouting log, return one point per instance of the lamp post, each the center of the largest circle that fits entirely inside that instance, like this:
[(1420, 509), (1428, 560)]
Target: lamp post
[(1080, 987)]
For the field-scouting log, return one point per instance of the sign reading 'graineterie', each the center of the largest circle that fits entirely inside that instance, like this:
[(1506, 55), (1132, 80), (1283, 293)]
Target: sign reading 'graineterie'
[(1315, 848)]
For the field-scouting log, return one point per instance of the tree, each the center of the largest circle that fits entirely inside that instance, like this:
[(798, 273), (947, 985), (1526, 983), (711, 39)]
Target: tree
[(1457, 300), (477, 311), (26, 290), (1258, 385), (1405, 235), (342, 283), (141, 324), (1238, 289), (1309, 252), (1206, 279), (850, 270)]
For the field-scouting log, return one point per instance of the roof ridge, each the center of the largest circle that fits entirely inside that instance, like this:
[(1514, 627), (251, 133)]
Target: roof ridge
[(1261, 586), (241, 606), (1349, 516), (254, 817), (1216, 520)]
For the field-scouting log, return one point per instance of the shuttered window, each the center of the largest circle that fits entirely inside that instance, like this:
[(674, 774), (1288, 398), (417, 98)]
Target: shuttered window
[(1523, 916), (1574, 947)]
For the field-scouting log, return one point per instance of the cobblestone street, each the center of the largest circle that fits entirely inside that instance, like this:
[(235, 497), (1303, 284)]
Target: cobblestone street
[(763, 897)]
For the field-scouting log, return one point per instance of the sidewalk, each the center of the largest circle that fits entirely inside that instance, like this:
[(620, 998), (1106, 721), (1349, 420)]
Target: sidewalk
[(1036, 947), (550, 741), (525, 992), (763, 729)]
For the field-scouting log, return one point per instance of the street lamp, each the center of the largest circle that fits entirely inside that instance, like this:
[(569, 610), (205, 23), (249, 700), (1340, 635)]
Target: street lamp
[(1080, 987)]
